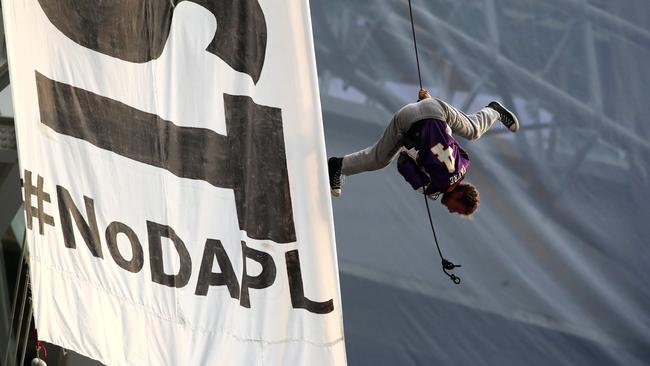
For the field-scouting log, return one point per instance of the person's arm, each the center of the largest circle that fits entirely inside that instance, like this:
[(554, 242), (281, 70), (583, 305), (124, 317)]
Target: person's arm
[(408, 168)]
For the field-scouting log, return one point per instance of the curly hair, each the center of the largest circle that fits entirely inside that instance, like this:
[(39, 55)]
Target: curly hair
[(468, 196)]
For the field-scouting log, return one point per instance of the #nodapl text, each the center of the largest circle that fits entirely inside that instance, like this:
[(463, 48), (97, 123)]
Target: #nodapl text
[(71, 218)]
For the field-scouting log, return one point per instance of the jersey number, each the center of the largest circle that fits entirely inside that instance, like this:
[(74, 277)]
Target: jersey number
[(445, 156)]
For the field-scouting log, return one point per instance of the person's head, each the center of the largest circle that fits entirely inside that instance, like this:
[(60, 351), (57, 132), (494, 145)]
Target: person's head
[(463, 199)]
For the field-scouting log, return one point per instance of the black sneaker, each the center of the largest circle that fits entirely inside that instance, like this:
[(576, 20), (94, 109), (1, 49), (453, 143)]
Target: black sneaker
[(505, 116), (336, 177)]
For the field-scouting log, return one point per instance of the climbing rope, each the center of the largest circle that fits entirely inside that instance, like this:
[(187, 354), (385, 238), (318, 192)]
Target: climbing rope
[(417, 58), (446, 265)]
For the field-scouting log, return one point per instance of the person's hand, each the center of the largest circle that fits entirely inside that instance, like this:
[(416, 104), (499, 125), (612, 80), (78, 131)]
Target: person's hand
[(423, 94)]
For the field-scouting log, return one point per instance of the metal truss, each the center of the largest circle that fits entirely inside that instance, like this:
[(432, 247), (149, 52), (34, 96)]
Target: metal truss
[(471, 63), (574, 118), (588, 120)]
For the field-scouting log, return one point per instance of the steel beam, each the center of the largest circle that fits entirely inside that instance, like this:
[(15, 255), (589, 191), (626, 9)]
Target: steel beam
[(9, 194), (534, 83), (610, 22), (4, 75)]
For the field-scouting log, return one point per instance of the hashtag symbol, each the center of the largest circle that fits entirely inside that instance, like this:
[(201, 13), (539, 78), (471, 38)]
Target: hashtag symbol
[(41, 196)]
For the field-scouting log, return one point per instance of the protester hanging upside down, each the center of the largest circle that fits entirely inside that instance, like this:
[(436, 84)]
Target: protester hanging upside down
[(430, 159)]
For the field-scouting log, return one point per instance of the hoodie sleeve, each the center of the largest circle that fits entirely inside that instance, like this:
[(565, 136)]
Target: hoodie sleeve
[(408, 168)]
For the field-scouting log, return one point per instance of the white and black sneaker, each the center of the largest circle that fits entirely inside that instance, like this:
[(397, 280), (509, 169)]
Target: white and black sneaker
[(505, 116), (334, 165)]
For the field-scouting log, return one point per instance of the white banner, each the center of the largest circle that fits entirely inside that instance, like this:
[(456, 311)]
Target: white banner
[(173, 170)]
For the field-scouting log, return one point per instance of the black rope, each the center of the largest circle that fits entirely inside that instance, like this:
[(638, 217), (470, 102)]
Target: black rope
[(417, 58), (446, 265)]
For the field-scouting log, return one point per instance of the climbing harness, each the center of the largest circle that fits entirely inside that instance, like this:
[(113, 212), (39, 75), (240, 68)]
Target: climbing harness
[(446, 265)]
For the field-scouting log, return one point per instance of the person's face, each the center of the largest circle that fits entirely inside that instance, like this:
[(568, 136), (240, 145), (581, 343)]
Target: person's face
[(453, 204)]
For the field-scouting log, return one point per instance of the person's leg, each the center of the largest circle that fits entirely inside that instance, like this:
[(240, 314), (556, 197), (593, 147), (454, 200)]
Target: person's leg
[(384, 150), (376, 156), (469, 126)]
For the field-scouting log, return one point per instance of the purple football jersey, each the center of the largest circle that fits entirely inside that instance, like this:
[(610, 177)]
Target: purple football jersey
[(441, 161)]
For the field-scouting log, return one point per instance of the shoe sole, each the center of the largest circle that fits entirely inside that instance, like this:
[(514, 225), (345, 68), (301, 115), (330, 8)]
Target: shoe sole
[(515, 126)]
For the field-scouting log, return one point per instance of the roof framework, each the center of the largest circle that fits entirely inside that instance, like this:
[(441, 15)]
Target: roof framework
[(579, 36), (572, 69)]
